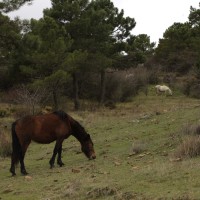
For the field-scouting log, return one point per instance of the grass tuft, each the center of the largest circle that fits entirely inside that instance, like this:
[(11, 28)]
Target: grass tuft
[(190, 147), (138, 147), (101, 192), (5, 144), (193, 129)]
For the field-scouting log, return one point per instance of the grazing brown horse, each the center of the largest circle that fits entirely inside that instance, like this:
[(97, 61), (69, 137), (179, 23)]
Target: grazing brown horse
[(45, 129)]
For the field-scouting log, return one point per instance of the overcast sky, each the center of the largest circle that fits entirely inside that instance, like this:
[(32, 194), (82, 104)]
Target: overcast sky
[(152, 17)]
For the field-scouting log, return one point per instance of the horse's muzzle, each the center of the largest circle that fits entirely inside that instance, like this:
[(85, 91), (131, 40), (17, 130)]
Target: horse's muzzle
[(92, 157)]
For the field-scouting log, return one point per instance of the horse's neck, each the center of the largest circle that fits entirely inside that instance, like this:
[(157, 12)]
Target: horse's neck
[(78, 131)]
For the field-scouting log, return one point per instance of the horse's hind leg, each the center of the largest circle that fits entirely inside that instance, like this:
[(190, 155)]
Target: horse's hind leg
[(21, 159), (12, 168), (59, 159)]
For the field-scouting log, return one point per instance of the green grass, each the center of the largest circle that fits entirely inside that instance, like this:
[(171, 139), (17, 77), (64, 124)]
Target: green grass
[(115, 174)]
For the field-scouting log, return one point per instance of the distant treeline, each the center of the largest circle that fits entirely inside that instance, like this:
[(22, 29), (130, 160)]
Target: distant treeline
[(77, 47)]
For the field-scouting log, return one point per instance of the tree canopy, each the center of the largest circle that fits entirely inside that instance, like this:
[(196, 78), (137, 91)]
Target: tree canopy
[(179, 49), (10, 5), (76, 37)]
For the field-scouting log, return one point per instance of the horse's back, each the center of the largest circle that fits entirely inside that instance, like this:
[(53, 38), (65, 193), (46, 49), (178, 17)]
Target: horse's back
[(157, 86), (42, 128), (163, 88)]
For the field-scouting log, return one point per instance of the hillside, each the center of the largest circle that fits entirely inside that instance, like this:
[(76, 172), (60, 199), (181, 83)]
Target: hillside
[(134, 144)]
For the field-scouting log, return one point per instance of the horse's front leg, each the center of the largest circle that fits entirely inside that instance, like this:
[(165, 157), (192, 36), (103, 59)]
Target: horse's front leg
[(59, 159), (23, 169), (55, 151), (52, 160)]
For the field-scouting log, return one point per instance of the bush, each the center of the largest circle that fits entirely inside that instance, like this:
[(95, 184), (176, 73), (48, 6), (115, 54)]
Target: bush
[(153, 76), (138, 147), (190, 147), (6, 110), (22, 112), (190, 87), (193, 129), (195, 91), (5, 144), (123, 85), (3, 113), (169, 79)]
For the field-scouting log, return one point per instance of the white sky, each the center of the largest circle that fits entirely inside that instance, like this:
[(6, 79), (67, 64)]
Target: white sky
[(152, 17)]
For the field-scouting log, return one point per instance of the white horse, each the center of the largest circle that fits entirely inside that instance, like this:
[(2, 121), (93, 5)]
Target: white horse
[(163, 89)]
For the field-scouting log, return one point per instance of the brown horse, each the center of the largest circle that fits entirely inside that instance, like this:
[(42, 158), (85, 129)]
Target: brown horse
[(45, 129)]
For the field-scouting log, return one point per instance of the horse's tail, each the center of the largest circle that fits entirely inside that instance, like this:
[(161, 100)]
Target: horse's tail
[(16, 147)]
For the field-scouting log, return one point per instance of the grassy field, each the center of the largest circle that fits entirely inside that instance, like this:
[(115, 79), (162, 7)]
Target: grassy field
[(151, 125)]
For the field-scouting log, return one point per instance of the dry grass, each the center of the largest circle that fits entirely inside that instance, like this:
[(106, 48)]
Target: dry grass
[(193, 129), (190, 147), (115, 174), (190, 141), (101, 192), (5, 144), (138, 147)]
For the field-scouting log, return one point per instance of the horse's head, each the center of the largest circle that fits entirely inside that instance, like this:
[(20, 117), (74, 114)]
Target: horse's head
[(84, 138), (87, 147), (170, 92)]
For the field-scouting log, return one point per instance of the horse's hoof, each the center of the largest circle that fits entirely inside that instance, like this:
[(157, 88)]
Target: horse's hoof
[(12, 172), (51, 166), (61, 164), (24, 172)]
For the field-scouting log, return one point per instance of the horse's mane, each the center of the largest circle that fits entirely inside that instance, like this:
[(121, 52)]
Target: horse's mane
[(77, 128), (79, 131)]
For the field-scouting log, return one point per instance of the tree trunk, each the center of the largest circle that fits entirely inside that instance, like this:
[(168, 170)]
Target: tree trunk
[(75, 91), (103, 87)]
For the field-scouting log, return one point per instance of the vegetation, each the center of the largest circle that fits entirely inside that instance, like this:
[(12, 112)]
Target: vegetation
[(178, 50), (85, 39), (75, 37), (135, 145), (82, 57)]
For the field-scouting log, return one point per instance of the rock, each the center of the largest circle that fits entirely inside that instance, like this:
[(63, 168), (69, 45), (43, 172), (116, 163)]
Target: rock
[(135, 167), (28, 178), (141, 155), (175, 159), (117, 163)]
